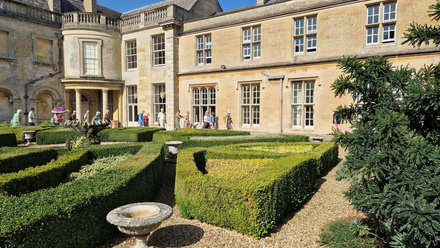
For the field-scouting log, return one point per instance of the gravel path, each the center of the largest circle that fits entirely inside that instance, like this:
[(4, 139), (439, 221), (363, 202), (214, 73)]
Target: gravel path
[(298, 230)]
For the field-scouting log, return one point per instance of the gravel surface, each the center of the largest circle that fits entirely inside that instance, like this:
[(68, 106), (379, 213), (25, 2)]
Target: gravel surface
[(299, 229)]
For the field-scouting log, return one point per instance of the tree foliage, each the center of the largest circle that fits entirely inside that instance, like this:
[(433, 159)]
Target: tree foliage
[(394, 159), (419, 34)]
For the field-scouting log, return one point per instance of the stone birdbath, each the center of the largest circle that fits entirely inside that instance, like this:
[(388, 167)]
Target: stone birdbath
[(29, 136), (139, 219), (173, 146), (89, 130)]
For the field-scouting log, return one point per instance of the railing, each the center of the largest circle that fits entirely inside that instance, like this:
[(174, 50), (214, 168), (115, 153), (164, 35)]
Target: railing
[(145, 17), (75, 19), (30, 12)]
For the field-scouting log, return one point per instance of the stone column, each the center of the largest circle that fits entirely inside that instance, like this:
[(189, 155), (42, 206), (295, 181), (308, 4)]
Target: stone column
[(171, 64), (104, 102), (78, 104)]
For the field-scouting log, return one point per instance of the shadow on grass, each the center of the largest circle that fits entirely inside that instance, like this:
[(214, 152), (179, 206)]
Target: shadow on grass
[(176, 236)]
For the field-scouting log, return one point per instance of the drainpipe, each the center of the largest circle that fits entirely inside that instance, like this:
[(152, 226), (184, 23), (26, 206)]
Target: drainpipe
[(281, 78)]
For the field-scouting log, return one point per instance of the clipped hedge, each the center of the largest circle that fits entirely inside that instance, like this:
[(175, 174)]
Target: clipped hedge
[(79, 208), (130, 134), (186, 133), (253, 204), (7, 139), (18, 131), (51, 174), (55, 136), (16, 159)]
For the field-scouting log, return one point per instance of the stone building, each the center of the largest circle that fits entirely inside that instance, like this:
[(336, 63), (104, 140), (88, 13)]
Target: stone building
[(271, 64)]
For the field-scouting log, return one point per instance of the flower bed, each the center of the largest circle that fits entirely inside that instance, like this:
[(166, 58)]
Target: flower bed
[(73, 214), (250, 202)]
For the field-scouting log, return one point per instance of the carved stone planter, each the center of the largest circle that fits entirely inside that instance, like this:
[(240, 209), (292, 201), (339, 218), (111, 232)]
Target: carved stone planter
[(173, 146), (29, 136)]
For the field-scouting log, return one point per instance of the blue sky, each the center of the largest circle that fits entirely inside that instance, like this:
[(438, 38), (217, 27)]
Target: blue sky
[(126, 5)]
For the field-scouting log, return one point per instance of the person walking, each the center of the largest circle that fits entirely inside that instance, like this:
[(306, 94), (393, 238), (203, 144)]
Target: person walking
[(187, 123), (96, 118), (16, 118), (86, 116), (206, 121), (212, 119), (147, 120), (177, 118), (73, 116), (161, 118), (141, 119), (229, 120), (107, 116), (32, 119)]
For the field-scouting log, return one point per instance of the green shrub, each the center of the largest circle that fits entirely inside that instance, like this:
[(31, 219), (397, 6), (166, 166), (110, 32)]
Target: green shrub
[(186, 133), (16, 159), (79, 208), (18, 131), (56, 136), (130, 134), (251, 203), (339, 235), (8, 139)]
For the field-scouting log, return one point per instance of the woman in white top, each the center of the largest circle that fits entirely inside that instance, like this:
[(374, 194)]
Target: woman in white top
[(161, 118)]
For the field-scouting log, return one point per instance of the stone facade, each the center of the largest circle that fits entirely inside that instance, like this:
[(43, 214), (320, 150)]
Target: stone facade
[(271, 64)]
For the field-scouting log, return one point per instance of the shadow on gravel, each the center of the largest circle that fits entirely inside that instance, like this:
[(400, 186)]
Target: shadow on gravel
[(175, 236)]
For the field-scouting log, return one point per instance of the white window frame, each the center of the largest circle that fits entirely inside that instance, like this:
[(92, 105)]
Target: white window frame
[(380, 23), (132, 104), (250, 104), (84, 72), (131, 54), (303, 104), (204, 99), (251, 43), (204, 49), (305, 30), (159, 100), (158, 43)]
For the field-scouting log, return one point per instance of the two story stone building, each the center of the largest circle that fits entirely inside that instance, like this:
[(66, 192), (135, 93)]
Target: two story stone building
[(271, 64)]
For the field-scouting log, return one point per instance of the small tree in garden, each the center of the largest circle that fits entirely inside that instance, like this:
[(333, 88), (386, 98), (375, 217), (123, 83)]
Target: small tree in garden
[(394, 158)]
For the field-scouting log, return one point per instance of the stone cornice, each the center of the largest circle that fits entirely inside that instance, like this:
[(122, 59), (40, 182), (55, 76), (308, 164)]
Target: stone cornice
[(31, 14)]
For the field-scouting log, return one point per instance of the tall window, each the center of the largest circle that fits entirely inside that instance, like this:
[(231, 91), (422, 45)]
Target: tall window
[(204, 99), (251, 42), (159, 100), (305, 30), (250, 104), (204, 54), (131, 54), (303, 102), (4, 44), (132, 103), (90, 58), (159, 50), (381, 23)]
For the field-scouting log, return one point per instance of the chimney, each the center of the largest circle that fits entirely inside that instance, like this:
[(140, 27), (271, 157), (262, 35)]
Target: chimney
[(90, 6), (261, 2), (54, 5)]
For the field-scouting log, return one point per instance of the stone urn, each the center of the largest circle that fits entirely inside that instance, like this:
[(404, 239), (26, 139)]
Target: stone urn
[(29, 136), (139, 219), (173, 146)]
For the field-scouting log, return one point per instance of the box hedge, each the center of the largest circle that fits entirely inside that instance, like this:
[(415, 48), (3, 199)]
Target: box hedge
[(73, 214), (18, 131), (7, 139), (16, 159), (55, 136), (254, 204), (186, 133), (130, 134)]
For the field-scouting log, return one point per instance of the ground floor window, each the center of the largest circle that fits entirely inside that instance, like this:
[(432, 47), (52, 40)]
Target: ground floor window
[(132, 103), (303, 104), (250, 104), (204, 99), (159, 100)]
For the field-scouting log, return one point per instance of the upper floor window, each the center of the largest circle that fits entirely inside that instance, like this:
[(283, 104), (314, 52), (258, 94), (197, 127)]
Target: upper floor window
[(90, 58), (250, 104), (305, 30), (43, 53), (204, 45), (159, 50), (5, 44), (131, 54), (381, 23), (251, 42)]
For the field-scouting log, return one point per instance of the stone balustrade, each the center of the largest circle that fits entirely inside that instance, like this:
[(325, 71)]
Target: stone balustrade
[(30, 13), (144, 19), (90, 20)]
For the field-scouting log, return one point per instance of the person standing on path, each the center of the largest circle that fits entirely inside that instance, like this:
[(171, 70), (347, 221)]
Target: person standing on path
[(32, 119), (206, 121), (187, 123), (177, 118), (86, 116), (141, 119), (73, 116), (16, 118), (229, 120), (161, 118), (212, 119), (97, 117)]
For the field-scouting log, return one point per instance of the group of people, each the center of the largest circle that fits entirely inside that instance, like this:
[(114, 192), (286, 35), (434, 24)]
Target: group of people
[(144, 119), (209, 121), (16, 118)]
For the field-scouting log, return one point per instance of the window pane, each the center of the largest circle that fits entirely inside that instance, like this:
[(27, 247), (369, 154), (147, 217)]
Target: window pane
[(245, 94), (389, 12), (308, 116), (311, 24), (208, 56), (131, 55), (246, 51), (299, 45), (200, 57), (310, 92), (199, 43), (208, 41), (373, 14), (372, 35), (297, 92), (90, 53), (196, 96), (212, 95), (159, 50), (296, 115), (299, 27), (311, 43), (204, 96), (255, 94), (257, 34), (246, 35), (257, 50), (245, 115), (389, 33), (256, 115)]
